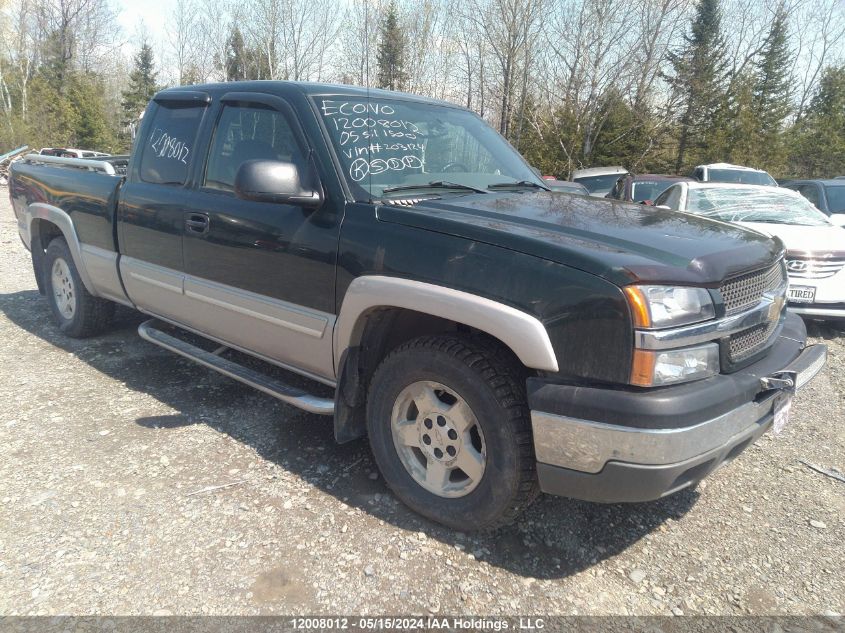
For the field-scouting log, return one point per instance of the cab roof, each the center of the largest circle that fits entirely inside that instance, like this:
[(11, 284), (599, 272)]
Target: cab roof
[(308, 88), (730, 166)]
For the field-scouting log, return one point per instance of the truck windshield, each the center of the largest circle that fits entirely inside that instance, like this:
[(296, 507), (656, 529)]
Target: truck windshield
[(599, 184), (390, 147), (648, 189), (741, 176)]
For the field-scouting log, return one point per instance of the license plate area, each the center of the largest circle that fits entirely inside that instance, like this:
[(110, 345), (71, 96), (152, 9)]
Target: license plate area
[(801, 294), (782, 408)]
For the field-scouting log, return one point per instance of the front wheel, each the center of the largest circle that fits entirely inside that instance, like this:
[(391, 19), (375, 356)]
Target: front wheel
[(450, 431), (77, 312)]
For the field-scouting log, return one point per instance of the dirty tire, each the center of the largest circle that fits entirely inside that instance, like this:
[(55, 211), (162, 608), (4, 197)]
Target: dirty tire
[(492, 384), (89, 315)]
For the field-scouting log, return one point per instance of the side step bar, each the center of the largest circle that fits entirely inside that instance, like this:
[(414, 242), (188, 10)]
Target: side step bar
[(285, 393)]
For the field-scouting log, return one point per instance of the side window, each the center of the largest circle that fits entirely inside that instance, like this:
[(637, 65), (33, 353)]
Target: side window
[(618, 190), (248, 133), (663, 197), (169, 149), (810, 192), (698, 174)]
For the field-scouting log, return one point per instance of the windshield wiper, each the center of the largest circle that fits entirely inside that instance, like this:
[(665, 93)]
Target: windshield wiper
[(517, 184), (434, 184)]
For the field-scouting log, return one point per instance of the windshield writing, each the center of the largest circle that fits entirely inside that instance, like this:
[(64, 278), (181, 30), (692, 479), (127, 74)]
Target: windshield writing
[(383, 144)]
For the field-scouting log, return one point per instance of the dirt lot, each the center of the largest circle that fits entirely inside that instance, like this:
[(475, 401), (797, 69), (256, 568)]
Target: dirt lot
[(107, 446)]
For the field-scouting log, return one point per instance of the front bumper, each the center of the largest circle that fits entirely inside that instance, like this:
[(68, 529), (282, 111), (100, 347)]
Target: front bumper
[(614, 445), (832, 311), (829, 296)]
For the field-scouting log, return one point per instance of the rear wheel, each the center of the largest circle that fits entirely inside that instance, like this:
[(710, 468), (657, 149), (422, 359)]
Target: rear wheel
[(450, 430), (77, 312)]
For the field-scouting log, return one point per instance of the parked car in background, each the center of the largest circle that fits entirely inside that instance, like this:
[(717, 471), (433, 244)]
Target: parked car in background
[(815, 248), (642, 188), (70, 152), (827, 195), (599, 180), (566, 186), (725, 172)]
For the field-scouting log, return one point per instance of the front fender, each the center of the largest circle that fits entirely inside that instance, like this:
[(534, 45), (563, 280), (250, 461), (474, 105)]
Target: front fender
[(524, 334)]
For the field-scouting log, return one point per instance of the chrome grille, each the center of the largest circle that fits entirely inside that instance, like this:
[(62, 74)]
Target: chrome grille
[(805, 268), (750, 341), (746, 291)]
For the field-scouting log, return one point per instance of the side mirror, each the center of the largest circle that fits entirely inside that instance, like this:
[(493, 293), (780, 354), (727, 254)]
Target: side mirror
[(838, 219), (275, 181)]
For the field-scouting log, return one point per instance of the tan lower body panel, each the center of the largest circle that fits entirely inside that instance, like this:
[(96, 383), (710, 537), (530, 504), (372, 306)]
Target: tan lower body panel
[(293, 336), (102, 270)]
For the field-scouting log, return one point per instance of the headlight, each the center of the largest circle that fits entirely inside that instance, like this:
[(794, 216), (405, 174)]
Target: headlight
[(666, 306), (666, 367)]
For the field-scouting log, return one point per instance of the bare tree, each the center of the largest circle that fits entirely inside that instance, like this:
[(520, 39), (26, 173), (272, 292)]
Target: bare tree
[(307, 30), (818, 28), (592, 49), (357, 42), (214, 38), (264, 26), (183, 35), (510, 27)]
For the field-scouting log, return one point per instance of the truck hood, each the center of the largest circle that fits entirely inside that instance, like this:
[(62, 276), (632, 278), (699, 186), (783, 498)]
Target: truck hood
[(821, 240), (618, 241)]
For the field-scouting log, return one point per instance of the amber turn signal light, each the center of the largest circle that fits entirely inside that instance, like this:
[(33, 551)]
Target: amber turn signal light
[(639, 307), (642, 368)]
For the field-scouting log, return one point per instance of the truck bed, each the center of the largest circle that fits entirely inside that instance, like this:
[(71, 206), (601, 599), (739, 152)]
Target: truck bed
[(88, 197)]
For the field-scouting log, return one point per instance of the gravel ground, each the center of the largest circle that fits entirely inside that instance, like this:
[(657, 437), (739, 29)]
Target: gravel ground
[(108, 447)]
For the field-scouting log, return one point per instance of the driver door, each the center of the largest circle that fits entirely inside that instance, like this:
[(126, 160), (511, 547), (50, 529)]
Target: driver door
[(260, 276)]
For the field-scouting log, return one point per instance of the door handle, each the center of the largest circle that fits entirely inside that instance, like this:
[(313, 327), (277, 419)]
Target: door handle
[(197, 223)]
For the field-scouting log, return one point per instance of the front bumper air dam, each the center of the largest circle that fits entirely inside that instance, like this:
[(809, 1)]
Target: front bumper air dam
[(634, 453)]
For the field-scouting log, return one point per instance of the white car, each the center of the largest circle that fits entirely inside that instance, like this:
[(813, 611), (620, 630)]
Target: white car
[(725, 172), (815, 248)]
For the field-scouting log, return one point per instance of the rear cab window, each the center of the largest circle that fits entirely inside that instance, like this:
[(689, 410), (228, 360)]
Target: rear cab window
[(169, 148)]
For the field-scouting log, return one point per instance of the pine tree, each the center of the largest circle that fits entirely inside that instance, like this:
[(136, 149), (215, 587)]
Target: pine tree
[(742, 125), (772, 94), (391, 51), (243, 62), (91, 130), (236, 62), (142, 84), (818, 143), (699, 77)]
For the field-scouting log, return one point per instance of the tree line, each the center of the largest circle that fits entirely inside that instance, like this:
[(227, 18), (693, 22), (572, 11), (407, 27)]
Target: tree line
[(653, 85)]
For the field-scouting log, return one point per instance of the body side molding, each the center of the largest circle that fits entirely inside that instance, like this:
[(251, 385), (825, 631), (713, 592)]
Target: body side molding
[(524, 334), (289, 335)]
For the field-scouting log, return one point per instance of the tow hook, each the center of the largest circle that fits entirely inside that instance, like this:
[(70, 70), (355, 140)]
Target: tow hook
[(782, 381)]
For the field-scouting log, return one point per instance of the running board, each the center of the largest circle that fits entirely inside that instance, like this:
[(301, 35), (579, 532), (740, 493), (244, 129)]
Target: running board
[(212, 360)]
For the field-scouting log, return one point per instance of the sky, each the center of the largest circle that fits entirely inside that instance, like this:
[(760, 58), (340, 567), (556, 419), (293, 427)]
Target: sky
[(152, 13)]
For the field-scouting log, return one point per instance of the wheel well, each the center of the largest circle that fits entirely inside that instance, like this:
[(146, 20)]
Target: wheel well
[(42, 232), (384, 330)]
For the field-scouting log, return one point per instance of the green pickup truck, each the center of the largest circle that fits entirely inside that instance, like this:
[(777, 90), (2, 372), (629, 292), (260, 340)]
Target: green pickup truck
[(493, 339)]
